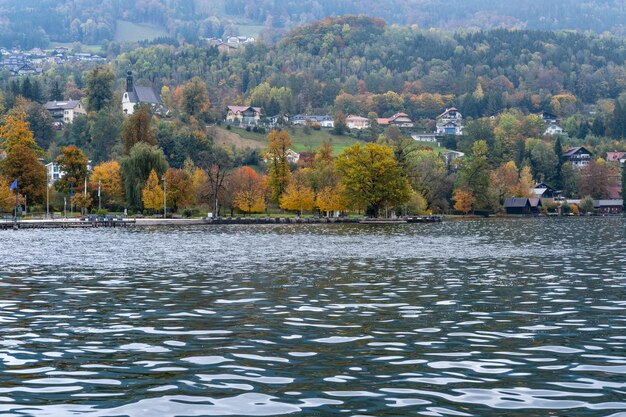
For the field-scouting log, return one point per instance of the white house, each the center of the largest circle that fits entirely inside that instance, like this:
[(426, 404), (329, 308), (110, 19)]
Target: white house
[(398, 119), (578, 157), (554, 129), (426, 137), (134, 96), (357, 122), (64, 111), (292, 156), (302, 119), (54, 173), (450, 122)]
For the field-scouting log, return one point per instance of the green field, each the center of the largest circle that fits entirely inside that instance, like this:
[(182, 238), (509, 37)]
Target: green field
[(250, 30), (135, 32), (301, 141), (92, 49)]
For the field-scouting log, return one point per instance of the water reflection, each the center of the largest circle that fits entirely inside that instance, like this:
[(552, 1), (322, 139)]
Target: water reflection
[(476, 318)]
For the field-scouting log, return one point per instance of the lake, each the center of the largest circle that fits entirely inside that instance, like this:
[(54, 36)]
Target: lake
[(493, 317)]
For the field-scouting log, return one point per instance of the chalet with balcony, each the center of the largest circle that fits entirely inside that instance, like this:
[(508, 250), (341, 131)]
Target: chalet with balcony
[(243, 115), (398, 119), (578, 157), (450, 122)]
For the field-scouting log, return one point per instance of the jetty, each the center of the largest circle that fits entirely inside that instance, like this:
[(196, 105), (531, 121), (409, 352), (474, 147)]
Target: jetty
[(113, 222)]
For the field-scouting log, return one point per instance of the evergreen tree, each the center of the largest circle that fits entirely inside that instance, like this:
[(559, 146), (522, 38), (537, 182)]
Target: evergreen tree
[(99, 87), (558, 172), (56, 94)]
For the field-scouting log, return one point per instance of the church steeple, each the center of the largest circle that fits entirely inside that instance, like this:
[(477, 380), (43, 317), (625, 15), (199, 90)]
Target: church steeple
[(129, 82)]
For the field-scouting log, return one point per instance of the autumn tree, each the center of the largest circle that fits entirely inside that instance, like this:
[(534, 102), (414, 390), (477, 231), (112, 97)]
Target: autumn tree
[(195, 99), (331, 199), (7, 197), (298, 195), (108, 177), (179, 188), (99, 87), (73, 163), (136, 168), (16, 130), (136, 128), (249, 190), (597, 179), (340, 126), (278, 165), (504, 182), (372, 177), (219, 165), (525, 184), (82, 201), (464, 200), (22, 163), (152, 193)]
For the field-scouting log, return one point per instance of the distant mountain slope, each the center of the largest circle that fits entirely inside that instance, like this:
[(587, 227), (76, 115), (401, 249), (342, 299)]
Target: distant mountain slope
[(31, 23)]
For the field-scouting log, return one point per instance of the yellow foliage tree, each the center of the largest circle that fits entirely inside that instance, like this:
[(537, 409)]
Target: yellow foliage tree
[(152, 194), (108, 175), (7, 197), (278, 165), (463, 201), (331, 199), (16, 130), (298, 196), (526, 183)]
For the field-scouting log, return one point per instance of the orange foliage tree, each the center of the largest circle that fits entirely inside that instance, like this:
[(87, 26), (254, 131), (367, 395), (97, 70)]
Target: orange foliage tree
[(108, 175), (179, 191), (463, 201), (249, 190)]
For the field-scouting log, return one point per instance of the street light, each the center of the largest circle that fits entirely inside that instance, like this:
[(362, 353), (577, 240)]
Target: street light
[(164, 197)]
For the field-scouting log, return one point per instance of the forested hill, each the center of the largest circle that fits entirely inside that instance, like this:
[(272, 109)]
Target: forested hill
[(29, 23), (352, 63)]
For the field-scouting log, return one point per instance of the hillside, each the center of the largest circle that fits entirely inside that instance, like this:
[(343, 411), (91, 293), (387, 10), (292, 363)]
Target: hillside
[(30, 23)]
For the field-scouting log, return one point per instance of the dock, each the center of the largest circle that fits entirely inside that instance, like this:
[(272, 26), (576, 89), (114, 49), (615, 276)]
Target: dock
[(121, 222)]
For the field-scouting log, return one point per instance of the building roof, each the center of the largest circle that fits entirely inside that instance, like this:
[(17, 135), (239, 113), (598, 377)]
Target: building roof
[(144, 95), (574, 151), (535, 202), (356, 118), (241, 109), (516, 202), (615, 156), (62, 105), (446, 112), (608, 203)]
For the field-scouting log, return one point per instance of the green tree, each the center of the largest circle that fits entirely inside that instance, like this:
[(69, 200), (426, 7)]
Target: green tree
[(474, 174), (73, 162), (373, 178), (136, 168), (99, 87), (104, 132)]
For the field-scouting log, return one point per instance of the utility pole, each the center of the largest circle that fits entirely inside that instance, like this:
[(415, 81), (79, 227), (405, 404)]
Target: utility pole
[(47, 195), (99, 198)]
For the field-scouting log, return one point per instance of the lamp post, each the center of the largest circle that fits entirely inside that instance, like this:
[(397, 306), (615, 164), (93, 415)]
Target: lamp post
[(47, 195), (164, 197), (99, 197)]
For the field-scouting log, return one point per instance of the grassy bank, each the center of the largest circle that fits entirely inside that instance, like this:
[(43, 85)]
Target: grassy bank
[(134, 32), (302, 142)]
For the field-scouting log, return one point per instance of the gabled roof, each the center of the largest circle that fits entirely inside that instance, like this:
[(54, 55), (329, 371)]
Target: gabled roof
[(535, 202), (544, 185), (615, 156), (146, 95), (241, 109), (446, 112), (62, 105), (357, 118), (516, 202), (574, 151)]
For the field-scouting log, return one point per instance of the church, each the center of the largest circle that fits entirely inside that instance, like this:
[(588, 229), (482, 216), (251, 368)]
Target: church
[(135, 96)]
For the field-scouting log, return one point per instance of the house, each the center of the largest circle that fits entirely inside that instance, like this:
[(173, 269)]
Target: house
[(522, 205), (616, 157), (604, 207), (398, 119), (136, 95), (243, 115), (543, 190), (554, 129), (63, 112), (302, 119), (227, 48), (450, 122), (578, 157), (54, 173), (548, 117), (292, 156), (357, 122)]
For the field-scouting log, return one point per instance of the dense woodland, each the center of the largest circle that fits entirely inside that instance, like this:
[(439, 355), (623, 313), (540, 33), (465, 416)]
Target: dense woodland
[(499, 79), (30, 23)]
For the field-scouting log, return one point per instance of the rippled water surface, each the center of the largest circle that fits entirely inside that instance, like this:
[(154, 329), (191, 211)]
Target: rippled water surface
[(465, 318)]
